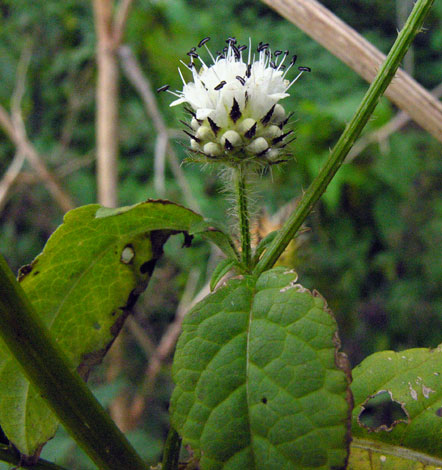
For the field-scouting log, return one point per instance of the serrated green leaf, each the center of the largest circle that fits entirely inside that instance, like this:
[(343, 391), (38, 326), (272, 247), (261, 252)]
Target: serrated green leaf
[(413, 379), (83, 285), (259, 382)]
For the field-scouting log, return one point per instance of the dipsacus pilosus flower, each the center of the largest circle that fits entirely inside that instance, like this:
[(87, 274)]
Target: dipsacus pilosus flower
[(234, 104)]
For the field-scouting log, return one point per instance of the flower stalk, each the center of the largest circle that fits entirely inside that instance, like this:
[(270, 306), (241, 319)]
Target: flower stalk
[(240, 187)]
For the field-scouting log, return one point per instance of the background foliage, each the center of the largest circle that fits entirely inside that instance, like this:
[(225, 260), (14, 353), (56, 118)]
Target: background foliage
[(373, 248)]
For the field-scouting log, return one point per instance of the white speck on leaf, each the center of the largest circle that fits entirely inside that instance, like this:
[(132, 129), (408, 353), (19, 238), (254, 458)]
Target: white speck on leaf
[(426, 391), (413, 392)]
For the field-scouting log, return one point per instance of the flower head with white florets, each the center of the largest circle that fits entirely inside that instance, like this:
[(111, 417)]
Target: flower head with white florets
[(236, 117)]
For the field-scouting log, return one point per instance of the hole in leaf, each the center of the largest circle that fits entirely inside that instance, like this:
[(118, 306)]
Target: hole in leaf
[(439, 412), (381, 412)]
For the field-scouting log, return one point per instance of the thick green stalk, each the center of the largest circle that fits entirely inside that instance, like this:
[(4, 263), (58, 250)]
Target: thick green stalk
[(348, 137), (48, 369), (240, 184)]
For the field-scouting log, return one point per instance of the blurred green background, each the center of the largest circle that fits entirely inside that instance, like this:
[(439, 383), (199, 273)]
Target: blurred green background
[(374, 245)]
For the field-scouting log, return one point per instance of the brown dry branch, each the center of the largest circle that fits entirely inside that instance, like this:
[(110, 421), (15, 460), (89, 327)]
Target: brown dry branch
[(360, 55), (381, 135), (107, 104), (142, 84), (109, 31), (14, 127), (36, 161)]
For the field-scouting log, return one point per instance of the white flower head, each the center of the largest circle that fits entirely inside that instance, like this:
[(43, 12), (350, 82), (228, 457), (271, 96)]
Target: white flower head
[(234, 104)]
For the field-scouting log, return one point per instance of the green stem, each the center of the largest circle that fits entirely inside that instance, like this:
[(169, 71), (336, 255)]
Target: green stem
[(171, 451), (13, 457), (348, 137), (48, 369), (240, 184)]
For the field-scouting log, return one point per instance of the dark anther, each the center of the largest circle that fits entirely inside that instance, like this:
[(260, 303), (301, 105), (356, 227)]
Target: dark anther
[(276, 140), (203, 41), (225, 49), (249, 70), (246, 98), (268, 116), (241, 80), (282, 67), (221, 56), (191, 136), (304, 69), (292, 62), (220, 85), (163, 88), (242, 48), (213, 126), (228, 145), (272, 64), (236, 51), (262, 47), (277, 53), (235, 112), (231, 41), (193, 54), (251, 132)]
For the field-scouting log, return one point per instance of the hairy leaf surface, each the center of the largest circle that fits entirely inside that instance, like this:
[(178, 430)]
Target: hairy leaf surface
[(83, 285), (411, 380), (259, 381)]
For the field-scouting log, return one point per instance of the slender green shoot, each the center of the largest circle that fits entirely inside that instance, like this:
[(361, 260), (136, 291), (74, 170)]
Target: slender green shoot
[(348, 137)]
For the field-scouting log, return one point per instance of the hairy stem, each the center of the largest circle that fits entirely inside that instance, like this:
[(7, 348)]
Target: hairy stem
[(240, 185), (48, 369), (348, 137)]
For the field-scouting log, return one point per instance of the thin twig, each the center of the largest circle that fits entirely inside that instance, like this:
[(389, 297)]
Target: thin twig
[(15, 129), (166, 345), (23, 145), (10, 177), (120, 21), (360, 55), (141, 83), (146, 344)]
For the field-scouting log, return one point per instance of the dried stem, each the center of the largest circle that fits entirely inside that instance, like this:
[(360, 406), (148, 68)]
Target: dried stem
[(107, 105), (350, 47)]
